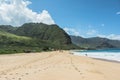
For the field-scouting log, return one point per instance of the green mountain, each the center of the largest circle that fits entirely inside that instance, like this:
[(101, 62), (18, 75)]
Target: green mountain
[(95, 42), (52, 33), (33, 37)]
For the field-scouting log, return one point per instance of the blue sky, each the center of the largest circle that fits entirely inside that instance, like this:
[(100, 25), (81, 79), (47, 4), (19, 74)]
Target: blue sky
[(87, 18), (97, 16)]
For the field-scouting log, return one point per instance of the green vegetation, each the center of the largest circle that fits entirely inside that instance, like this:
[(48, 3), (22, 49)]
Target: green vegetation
[(33, 37)]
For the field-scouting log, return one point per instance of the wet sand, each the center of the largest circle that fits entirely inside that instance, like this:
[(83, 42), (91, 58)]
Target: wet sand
[(56, 66)]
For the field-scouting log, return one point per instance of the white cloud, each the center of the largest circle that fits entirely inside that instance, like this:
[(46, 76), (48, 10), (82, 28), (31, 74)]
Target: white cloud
[(118, 13), (71, 31), (111, 36), (91, 32), (102, 25), (16, 13)]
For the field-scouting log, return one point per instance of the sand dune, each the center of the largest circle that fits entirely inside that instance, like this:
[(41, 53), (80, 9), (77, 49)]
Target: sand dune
[(56, 66)]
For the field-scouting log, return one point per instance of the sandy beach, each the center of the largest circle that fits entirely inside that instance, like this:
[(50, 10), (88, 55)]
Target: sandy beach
[(56, 65)]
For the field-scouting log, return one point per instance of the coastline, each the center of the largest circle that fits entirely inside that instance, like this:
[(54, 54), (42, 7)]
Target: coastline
[(107, 60), (56, 65), (98, 58), (104, 56)]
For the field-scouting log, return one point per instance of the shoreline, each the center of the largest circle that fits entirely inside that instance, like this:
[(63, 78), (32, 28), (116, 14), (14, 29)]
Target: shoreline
[(101, 59), (86, 55), (106, 60)]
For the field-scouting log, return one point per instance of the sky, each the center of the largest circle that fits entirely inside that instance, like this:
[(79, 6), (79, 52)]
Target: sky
[(86, 18)]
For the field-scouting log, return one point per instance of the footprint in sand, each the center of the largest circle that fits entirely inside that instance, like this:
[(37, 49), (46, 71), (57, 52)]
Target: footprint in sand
[(22, 75), (10, 74), (13, 78), (78, 70), (26, 73), (39, 70), (81, 73), (19, 78), (6, 77)]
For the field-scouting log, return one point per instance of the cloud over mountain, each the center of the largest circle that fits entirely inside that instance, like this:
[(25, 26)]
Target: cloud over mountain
[(16, 13), (71, 31), (111, 36)]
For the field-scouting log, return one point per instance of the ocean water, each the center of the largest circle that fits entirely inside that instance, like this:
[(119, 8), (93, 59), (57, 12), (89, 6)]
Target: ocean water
[(109, 54)]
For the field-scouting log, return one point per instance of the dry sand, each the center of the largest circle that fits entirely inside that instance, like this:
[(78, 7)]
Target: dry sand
[(56, 66)]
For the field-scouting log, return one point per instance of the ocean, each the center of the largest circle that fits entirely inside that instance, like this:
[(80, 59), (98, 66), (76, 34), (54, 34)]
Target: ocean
[(108, 54)]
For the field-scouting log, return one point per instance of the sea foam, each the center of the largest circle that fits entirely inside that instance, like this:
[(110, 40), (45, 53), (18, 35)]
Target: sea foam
[(115, 56)]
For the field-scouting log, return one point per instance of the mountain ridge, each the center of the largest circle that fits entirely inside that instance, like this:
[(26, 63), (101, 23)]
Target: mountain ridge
[(95, 42)]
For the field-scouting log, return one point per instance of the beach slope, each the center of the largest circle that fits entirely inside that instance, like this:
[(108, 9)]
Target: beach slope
[(56, 65)]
